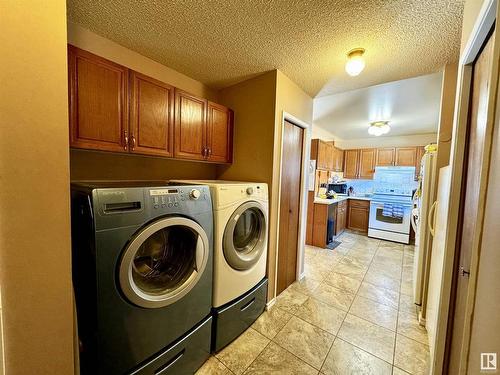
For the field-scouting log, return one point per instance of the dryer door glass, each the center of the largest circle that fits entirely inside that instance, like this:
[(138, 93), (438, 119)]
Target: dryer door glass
[(163, 262), (245, 236)]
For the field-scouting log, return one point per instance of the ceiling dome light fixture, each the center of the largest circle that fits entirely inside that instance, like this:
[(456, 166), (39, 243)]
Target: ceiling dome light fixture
[(355, 62), (378, 128)]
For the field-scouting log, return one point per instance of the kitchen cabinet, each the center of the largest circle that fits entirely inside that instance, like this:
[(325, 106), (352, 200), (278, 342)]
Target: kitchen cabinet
[(341, 218), (338, 159), (151, 116), (351, 161), (320, 225), (219, 133), (366, 168), (321, 151), (359, 163), (112, 108), (406, 157), (385, 156), (358, 215), (310, 218), (98, 102), (420, 154)]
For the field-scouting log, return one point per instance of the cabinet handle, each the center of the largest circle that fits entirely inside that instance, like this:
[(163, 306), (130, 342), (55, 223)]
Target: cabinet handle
[(125, 136), (204, 152), (209, 152), (133, 142)]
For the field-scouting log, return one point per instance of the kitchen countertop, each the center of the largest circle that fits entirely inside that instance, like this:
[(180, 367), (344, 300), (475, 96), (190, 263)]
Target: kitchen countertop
[(339, 198)]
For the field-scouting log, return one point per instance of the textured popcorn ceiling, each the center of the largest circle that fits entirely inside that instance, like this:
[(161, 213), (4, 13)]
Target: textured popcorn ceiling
[(223, 42)]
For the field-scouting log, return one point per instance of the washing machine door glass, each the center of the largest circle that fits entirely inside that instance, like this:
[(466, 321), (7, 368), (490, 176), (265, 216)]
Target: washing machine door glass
[(163, 262), (245, 236)]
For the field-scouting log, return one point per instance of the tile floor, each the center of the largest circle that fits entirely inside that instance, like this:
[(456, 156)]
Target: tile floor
[(352, 313)]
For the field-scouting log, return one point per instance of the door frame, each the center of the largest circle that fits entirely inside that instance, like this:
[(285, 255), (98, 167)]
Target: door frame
[(306, 149), (480, 32)]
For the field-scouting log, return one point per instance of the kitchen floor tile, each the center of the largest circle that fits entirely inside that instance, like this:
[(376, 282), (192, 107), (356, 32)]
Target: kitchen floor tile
[(411, 356), (398, 371), (304, 286), (351, 267), (333, 296), (321, 315), (238, 355), (368, 336), (308, 342), (381, 295), (345, 358), (343, 282), (406, 303), (408, 326), (271, 321), (374, 312), (213, 367), (276, 360), (289, 300), (382, 278)]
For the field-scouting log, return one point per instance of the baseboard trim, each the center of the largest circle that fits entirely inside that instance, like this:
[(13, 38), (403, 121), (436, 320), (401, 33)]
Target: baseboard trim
[(270, 303), (302, 275)]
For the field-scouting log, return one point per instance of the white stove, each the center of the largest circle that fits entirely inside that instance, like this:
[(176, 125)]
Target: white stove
[(391, 205)]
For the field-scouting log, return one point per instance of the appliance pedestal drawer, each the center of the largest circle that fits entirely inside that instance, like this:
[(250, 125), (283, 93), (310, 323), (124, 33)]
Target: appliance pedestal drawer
[(235, 317)]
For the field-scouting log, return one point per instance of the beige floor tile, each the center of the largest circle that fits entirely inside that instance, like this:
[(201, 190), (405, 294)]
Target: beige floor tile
[(329, 253), (381, 295), (382, 280), (333, 296), (311, 250), (367, 253), (391, 245), (213, 367), (316, 271), (344, 248), (394, 271), (321, 315), (238, 355), (408, 326), (345, 358), (276, 360), (398, 371), (407, 287), (374, 312), (351, 267), (306, 341), (327, 261), (370, 337), (304, 286), (406, 303), (271, 322), (411, 356), (289, 300), (408, 260), (343, 282), (388, 261)]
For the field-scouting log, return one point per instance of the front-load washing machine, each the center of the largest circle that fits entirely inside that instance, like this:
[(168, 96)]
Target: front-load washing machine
[(241, 212), (142, 274)]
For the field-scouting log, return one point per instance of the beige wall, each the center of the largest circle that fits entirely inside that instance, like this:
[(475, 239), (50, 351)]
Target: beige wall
[(291, 99), (448, 95), (403, 141), (100, 165), (34, 196), (471, 11)]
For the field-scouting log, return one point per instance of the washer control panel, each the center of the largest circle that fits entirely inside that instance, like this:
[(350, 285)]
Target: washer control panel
[(175, 197)]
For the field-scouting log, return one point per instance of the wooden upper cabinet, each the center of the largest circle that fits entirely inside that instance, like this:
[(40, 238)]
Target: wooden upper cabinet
[(321, 152), (190, 126), (338, 159), (406, 156), (330, 155), (385, 156), (367, 163), (219, 133), (351, 160), (98, 102), (420, 154), (151, 116)]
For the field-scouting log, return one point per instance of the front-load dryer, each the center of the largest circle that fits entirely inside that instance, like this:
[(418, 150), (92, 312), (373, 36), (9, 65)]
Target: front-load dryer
[(142, 274), (241, 211)]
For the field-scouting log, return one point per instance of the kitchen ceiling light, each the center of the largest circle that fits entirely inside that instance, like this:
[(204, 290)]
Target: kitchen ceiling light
[(378, 128), (355, 62)]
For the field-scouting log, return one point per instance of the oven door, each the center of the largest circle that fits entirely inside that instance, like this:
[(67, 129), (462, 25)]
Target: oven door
[(389, 223)]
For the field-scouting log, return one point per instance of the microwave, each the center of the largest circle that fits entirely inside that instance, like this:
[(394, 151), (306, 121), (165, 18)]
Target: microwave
[(338, 188)]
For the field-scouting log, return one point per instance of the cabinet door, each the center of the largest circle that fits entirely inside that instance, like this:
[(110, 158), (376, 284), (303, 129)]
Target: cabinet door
[(330, 156), (358, 218), (151, 116), (98, 99), (322, 156), (406, 156), (420, 154), (367, 163), (190, 126), (219, 133), (351, 163), (385, 156), (339, 159)]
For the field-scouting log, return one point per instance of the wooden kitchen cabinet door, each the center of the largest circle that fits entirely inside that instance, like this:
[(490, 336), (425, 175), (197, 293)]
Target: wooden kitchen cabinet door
[(338, 157), (98, 102), (420, 154), (330, 156), (406, 156), (359, 212), (151, 116), (190, 126), (366, 163), (351, 158), (385, 156), (219, 133), (341, 218)]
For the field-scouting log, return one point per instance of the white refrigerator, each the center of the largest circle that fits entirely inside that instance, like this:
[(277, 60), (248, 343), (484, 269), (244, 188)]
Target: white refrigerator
[(422, 212)]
